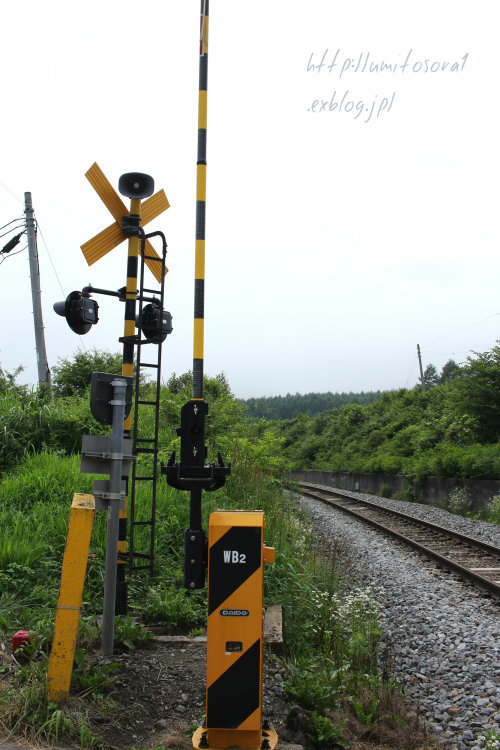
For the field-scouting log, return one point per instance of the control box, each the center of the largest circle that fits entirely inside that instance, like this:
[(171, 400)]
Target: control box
[(236, 557)]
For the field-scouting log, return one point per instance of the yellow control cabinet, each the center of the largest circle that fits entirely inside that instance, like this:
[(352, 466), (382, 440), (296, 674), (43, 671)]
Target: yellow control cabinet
[(236, 557)]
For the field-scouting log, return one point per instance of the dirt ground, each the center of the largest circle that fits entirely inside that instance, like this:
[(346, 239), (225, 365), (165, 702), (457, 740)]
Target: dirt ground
[(161, 691), (158, 698)]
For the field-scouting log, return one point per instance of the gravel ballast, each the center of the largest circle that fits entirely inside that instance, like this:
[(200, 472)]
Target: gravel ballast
[(443, 637)]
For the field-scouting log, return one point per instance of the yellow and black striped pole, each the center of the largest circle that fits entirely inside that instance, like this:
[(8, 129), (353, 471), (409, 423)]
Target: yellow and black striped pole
[(201, 183), (191, 472), (199, 263), (127, 369)]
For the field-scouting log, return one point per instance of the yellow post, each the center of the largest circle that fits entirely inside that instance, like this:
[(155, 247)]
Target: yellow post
[(69, 603)]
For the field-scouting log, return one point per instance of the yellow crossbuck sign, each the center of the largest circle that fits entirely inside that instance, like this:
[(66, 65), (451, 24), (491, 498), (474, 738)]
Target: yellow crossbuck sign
[(112, 236)]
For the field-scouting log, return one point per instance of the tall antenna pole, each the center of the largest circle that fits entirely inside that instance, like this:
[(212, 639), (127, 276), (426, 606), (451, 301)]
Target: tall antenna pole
[(44, 379), (201, 183)]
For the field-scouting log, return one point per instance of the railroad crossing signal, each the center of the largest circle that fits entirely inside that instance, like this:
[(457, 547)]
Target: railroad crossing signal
[(128, 224), (113, 235)]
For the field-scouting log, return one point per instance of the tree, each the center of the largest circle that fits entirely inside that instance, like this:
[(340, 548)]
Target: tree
[(449, 371), (180, 383), (73, 376), (8, 381), (213, 388), (431, 377), (476, 393)]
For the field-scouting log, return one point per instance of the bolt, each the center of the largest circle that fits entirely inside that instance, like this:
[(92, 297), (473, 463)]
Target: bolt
[(264, 745), (192, 537), (204, 741), (191, 585)]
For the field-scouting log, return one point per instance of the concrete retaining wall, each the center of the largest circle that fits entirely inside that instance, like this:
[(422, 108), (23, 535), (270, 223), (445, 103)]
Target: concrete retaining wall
[(433, 490)]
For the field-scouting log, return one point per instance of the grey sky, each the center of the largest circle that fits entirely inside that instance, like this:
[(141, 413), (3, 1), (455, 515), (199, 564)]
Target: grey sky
[(351, 210)]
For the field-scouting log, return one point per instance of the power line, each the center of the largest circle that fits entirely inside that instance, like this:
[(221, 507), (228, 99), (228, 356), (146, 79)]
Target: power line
[(38, 228), (11, 255), (20, 218), (17, 198), (471, 325), (413, 364), (19, 226)]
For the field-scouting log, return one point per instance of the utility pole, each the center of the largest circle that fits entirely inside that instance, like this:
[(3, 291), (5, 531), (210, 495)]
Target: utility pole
[(420, 365), (44, 379)]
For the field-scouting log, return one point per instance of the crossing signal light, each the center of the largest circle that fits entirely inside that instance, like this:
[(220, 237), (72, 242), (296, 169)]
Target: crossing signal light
[(80, 312), (156, 323), (136, 185)]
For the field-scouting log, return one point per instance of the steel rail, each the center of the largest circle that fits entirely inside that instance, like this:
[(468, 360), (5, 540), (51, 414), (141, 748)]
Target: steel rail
[(490, 586), (434, 526)]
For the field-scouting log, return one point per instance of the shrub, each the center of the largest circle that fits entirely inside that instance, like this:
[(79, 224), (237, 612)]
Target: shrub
[(73, 376), (459, 502), (494, 510), (30, 423)]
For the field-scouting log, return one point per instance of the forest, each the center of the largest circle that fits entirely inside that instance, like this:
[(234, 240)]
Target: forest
[(449, 427), (311, 404)]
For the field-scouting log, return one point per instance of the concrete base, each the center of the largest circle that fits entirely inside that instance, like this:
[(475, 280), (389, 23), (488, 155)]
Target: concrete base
[(269, 739)]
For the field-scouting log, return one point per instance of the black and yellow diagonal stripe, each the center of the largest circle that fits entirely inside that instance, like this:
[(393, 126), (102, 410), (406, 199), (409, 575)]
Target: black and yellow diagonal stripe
[(235, 695), (234, 627)]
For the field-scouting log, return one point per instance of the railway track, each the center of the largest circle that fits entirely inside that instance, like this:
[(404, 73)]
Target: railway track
[(470, 558)]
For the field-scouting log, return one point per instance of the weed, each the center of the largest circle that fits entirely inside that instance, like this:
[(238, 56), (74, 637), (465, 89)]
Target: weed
[(89, 632), (93, 679), (385, 490), (459, 502), (175, 608), (189, 731), (315, 685), (366, 714), (34, 646), (131, 633), (377, 700), (491, 741), (86, 738), (324, 734), (409, 493), (55, 726), (494, 509), (398, 496), (23, 703)]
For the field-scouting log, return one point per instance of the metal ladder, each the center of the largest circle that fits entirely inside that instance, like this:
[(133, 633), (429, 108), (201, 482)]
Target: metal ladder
[(146, 447)]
